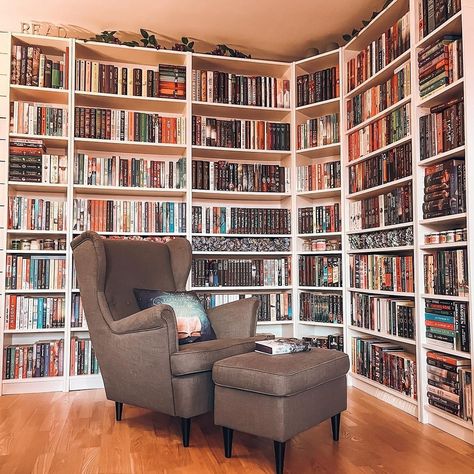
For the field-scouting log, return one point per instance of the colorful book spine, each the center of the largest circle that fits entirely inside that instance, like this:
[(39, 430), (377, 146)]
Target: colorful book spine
[(318, 86), (319, 271), (83, 360), (36, 214), (38, 119), (321, 307), (317, 132), (319, 219), (318, 176), (433, 13)]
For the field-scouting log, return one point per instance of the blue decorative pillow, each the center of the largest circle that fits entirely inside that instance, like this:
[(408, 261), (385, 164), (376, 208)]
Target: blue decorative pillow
[(193, 323)]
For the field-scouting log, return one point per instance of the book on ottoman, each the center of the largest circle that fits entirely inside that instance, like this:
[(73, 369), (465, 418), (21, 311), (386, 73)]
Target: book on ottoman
[(281, 346)]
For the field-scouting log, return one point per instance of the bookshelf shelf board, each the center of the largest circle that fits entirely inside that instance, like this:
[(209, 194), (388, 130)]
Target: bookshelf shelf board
[(447, 416), (452, 26), (127, 55), (445, 297), (444, 94), (318, 62), (458, 152), (376, 229), (382, 335), (243, 235), (35, 292), (239, 196), (211, 289), (379, 77), (383, 188), (445, 350), (381, 114), (443, 220), (79, 329), (38, 187), (320, 193), (319, 109), (384, 388), (142, 234), (382, 292), (129, 191), (380, 150), (95, 144), (129, 102), (33, 385), (49, 141), (39, 94), (332, 149), (85, 382), (315, 323), (315, 235), (237, 253), (274, 323), (35, 232), (33, 331), (238, 153), (320, 288), (32, 379), (36, 252), (446, 245), (320, 252), (75, 290), (239, 111), (402, 248)]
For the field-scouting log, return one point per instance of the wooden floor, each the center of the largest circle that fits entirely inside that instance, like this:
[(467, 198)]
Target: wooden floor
[(76, 432)]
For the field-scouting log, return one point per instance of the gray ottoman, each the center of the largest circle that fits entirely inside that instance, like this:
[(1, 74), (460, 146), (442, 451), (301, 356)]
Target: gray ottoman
[(279, 396)]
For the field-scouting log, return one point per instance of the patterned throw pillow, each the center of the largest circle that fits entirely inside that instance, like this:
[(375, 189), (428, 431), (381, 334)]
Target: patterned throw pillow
[(193, 323)]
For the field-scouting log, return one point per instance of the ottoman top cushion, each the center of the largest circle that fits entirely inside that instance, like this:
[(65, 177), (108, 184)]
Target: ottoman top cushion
[(280, 375)]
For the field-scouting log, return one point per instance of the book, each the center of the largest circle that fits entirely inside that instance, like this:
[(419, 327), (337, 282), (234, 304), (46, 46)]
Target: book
[(331, 341), (38, 119), (255, 243), (379, 239), (318, 176), (320, 271), (433, 13), (83, 360), (317, 86), (321, 307), (78, 319), (26, 213), (317, 132), (238, 89), (319, 219), (282, 346)]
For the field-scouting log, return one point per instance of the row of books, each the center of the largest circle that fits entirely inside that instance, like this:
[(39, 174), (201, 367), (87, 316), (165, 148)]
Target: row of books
[(38, 119), (242, 134), (318, 176), (31, 67), (26, 213), (317, 86), (386, 363), (398, 237), (439, 64), (392, 316), (380, 169), (442, 129), (242, 177), (449, 384), (444, 189), (316, 270), (28, 162), (34, 312), (433, 13), (371, 102), (227, 88), (378, 54), (259, 243), (331, 341), (240, 220), (382, 272), (321, 307), (446, 273), (128, 216), (83, 360), (165, 81), (383, 132), (129, 172), (77, 311), (126, 125), (35, 272), (41, 359), (318, 132), (273, 306), (447, 324), (392, 208), (319, 219), (241, 272)]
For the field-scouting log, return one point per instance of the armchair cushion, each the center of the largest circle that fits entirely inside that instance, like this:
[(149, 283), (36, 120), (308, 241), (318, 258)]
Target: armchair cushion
[(201, 356), (191, 318)]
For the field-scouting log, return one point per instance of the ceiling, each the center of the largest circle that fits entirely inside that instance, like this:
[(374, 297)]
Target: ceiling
[(270, 29)]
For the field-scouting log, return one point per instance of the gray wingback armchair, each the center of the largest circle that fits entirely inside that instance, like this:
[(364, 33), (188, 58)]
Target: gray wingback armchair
[(138, 352)]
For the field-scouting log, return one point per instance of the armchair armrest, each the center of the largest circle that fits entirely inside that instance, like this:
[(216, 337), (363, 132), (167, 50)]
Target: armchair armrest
[(235, 319)]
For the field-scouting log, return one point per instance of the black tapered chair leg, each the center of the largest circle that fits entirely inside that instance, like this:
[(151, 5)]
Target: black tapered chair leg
[(228, 434), (118, 411), (279, 456), (185, 430), (335, 425)]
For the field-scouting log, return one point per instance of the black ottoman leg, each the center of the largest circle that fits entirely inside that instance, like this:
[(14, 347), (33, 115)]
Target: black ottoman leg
[(279, 456), (118, 411), (228, 435), (335, 425), (185, 430)]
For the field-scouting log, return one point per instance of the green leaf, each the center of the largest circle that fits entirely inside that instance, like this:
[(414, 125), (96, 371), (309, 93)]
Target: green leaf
[(365, 22), (191, 44), (354, 32), (184, 40), (374, 14), (144, 33), (346, 37)]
